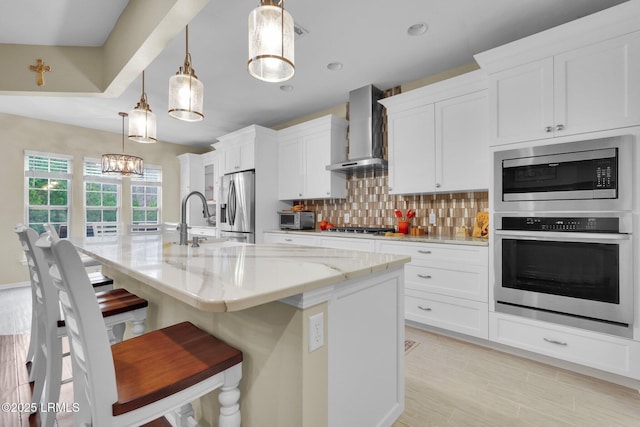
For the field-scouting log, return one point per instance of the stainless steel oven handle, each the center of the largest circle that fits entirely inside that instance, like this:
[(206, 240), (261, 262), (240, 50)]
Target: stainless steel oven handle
[(594, 237)]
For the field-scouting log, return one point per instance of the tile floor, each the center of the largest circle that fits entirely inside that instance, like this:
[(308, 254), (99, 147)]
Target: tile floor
[(448, 383)]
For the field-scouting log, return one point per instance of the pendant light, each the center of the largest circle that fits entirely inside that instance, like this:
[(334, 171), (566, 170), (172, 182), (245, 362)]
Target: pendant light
[(122, 164), (271, 34), (142, 122), (186, 92)]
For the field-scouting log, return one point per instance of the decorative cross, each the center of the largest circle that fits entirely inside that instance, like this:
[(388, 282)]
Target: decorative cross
[(40, 68)]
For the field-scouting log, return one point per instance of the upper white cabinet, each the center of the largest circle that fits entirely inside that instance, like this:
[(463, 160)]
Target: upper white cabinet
[(576, 78), (304, 151), (584, 90), (438, 137)]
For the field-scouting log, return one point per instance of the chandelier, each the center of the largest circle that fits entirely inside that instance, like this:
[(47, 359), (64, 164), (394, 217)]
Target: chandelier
[(142, 122), (186, 92), (271, 34), (122, 164)]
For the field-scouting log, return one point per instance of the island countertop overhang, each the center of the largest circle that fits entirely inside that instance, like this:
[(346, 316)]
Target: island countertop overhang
[(226, 276)]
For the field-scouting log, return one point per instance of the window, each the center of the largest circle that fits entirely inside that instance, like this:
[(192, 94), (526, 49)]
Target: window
[(146, 197), (101, 200), (47, 190)]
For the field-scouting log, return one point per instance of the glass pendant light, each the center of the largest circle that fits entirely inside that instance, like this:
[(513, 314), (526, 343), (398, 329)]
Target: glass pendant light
[(142, 122), (122, 164), (271, 34), (186, 92)]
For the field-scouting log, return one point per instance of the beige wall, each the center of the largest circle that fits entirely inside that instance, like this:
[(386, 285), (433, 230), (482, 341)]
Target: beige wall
[(18, 134)]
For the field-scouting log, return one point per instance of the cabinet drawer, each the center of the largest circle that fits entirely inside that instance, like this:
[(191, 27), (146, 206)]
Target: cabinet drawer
[(458, 315), (608, 353), (367, 245), (470, 282), (292, 239), (425, 253)]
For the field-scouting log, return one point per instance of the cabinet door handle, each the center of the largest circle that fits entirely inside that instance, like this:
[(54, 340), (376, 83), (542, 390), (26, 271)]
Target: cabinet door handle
[(424, 308), (548, 129), (549, 340), (424, 276), (559, 127), (423, 251), (288, 240)]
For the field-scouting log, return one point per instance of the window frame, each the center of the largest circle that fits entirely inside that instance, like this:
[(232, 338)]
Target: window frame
[(92, 177), (152, 178), (29, 174)]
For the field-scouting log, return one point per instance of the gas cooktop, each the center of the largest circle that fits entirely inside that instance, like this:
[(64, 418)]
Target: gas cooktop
[(361, 230)]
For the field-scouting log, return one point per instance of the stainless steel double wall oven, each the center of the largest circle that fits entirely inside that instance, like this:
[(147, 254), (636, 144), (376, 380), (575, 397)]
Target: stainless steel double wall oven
[(563, 234)]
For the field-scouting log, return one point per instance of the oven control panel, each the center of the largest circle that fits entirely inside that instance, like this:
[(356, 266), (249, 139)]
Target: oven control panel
[(567, 224)]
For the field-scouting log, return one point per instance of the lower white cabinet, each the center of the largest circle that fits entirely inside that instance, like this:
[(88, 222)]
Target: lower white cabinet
[(454, 314), (600, 351), (354, 244), (292, 239), (446, 285)]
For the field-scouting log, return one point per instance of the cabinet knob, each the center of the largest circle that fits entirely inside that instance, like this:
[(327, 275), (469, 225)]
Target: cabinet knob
[(424, 276), (299, 194), (548, 129), (438, 185), (288, 240), (328, 193), (423, 251), (559, 127), (390, 189)]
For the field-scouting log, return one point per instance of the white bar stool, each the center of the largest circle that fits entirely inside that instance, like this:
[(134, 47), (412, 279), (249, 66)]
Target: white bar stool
[(117, 306), (145, 377)]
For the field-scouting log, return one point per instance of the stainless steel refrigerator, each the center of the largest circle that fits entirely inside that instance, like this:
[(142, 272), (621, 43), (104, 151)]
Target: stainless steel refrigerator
[(237, 211)]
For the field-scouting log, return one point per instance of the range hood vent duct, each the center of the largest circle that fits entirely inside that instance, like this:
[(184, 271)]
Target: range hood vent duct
[(365, 132)]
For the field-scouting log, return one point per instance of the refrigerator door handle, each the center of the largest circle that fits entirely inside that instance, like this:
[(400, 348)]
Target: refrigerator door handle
[(231, 203)]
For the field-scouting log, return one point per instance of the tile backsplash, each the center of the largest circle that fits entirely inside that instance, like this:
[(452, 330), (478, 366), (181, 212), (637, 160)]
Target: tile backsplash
[(369, 203)]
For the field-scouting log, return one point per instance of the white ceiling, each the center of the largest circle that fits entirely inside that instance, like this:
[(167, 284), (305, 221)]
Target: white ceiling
[(368, 36)]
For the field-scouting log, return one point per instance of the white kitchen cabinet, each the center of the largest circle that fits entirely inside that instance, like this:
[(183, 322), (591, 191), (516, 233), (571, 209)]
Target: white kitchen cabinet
[(582, 90), (291, 239), (447, 286), (411, 150), (304, 151), (599, 351), (239, 150), (438, 137), (350, 243)]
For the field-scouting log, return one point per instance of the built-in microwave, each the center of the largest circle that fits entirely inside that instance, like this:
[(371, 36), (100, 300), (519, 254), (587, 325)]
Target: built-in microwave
[(592, 175)]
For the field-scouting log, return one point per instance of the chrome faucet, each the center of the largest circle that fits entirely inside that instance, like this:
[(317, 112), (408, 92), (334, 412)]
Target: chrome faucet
[(183, 227)]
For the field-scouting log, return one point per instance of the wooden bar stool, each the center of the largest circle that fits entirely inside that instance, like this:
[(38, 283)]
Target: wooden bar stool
[(140, 379), (118, 306)]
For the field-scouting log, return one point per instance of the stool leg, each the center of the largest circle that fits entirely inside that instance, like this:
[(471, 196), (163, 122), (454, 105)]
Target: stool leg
[(138, 323), (229, 398), (52, 382)]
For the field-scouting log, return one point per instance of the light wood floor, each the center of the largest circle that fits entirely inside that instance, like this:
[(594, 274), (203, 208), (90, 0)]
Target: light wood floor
[(453, 383), (448, 383)]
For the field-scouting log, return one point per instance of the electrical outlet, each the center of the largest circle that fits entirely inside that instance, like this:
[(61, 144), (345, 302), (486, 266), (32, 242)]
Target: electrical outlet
[(316, 331), (319, 216), (347, 218), (432, 218)]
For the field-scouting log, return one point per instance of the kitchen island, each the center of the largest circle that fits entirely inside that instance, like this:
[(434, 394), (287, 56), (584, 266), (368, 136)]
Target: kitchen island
[(260, 298)]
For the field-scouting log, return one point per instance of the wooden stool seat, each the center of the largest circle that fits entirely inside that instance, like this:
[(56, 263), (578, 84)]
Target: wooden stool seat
[(115, 302), (100, 282), (163, 362)]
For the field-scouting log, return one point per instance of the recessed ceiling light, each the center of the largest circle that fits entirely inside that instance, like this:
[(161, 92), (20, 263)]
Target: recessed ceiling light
[(417, 29), (286, 88), (334, 66)]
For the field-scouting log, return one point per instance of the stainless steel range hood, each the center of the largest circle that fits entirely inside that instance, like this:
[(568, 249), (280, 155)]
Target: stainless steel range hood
[(365, 132)]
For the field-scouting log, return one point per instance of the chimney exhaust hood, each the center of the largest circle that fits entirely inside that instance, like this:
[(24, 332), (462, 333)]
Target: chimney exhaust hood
[(365, 132)]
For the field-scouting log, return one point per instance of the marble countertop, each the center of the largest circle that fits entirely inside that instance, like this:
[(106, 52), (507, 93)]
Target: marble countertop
[(476, 241), (224, 276)]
